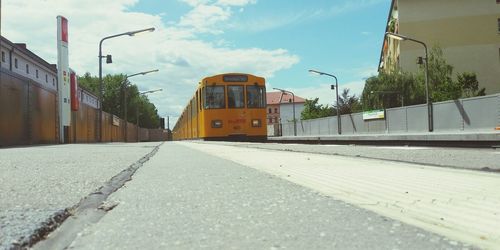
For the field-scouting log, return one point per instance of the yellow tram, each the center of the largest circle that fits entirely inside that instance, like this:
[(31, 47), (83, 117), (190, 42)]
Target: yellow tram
[(225, 107)]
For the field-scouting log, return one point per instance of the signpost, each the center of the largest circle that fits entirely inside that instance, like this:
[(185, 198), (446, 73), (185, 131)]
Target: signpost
[(63, 79)]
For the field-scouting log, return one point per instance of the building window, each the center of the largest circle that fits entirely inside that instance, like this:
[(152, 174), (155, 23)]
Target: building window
[(498, 25), (15, 63), (53, 82), (27, 69), (276, 110), (46, 78), (3, 56), (36, 73), (269, 110)]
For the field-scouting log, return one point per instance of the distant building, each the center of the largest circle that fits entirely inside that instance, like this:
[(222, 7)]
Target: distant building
[(16, 58), (280, 107), (467, 31)]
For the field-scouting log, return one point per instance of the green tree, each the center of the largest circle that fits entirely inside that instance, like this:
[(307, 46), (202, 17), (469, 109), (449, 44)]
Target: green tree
[(114, 87), (388, 90), (313, 110), (470, 85), (441, 84), (348, 103)]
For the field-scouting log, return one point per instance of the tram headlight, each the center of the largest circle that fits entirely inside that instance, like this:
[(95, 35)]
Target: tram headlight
[(216, 124), (256, 123)]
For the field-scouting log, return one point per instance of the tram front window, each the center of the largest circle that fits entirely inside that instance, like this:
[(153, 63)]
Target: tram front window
[(214, 97), (235, 97), (256, 97)]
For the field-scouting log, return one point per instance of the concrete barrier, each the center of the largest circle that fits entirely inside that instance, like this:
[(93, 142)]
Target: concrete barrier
[(477, 114)]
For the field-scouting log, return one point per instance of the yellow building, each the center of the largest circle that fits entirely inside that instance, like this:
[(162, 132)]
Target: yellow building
[(468, 31)]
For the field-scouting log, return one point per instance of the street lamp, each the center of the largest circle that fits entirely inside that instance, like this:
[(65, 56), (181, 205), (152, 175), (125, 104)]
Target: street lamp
[(137, 108), (429, 105), (293, 105), (339, 122), (124, 87), (108, 60), (150, 91)]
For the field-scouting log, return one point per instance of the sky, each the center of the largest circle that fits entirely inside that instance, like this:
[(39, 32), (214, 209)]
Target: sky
[(277, 39)]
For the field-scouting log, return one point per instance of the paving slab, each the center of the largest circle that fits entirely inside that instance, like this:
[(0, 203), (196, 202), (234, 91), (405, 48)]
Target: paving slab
[(487, 159), (186, 199), (38, 183)]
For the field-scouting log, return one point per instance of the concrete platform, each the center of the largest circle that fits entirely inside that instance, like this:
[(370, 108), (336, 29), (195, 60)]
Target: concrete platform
[(482, 138)]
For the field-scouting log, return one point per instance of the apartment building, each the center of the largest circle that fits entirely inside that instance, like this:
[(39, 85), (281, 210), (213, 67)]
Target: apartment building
[(468, 31), (16, 58), (280, 107)]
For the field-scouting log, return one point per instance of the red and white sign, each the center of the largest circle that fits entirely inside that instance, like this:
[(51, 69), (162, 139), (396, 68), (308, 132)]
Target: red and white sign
[(75, 101), (64, 29), (63, 76)]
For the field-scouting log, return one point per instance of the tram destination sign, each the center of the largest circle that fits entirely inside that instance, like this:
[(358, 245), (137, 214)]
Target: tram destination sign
[(235, 78)]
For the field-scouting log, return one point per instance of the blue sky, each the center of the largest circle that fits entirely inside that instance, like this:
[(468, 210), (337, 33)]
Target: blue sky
[(277, 39), (338, 36)]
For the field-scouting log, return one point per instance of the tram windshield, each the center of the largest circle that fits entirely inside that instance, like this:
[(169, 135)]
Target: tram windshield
[(214, 97), (256, 97), (235, 97)]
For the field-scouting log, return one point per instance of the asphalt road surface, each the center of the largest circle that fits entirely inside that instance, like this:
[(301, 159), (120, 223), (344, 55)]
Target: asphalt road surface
[(38, 183), (246, 196), (193, 195)]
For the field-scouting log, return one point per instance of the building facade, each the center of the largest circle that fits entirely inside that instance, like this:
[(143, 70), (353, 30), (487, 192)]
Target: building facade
[(280, 107), (28, 100), (467, 31), (16, 58), (28, 96)]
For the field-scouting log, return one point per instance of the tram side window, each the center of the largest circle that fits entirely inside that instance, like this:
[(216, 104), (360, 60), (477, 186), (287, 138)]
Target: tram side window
[(235, 97), (198, 106), (256, 97), (193, 107), (201, 100), (214, 97)]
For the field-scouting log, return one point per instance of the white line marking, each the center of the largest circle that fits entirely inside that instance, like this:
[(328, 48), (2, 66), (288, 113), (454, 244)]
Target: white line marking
[(460, 204)]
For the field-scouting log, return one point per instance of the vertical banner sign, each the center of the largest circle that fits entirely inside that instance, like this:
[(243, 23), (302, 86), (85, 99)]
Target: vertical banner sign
[(63, 76), (75, 102)]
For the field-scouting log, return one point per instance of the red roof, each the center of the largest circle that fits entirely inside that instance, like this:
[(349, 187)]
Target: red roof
[(275, 97)]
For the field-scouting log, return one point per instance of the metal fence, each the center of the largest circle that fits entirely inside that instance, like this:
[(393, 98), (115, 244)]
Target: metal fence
[(464, 115), (27, 111), (28, 115)]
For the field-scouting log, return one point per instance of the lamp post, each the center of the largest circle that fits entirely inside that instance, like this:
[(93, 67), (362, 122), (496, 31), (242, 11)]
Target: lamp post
[(293, 105), (339, 122), (429, 104), (130, 33), (124, 87), (137, 108)]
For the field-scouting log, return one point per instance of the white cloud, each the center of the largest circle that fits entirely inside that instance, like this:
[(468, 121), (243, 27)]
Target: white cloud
[(205, 18), (196, 2), (181, 57), (272, 22), (236, 2)]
